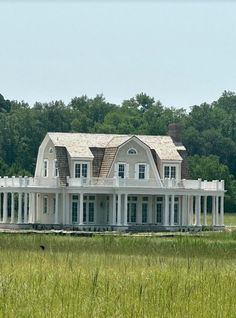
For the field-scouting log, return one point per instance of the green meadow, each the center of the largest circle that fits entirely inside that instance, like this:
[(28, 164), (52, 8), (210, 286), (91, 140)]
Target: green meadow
[(187, 275)]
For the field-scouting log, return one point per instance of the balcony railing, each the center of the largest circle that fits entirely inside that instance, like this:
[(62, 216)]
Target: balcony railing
[(13, 182)]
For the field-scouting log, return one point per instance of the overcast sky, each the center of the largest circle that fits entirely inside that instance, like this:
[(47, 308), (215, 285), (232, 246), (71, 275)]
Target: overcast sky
[(180, 52)]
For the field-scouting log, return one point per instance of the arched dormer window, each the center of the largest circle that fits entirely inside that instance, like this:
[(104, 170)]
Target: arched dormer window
[(132, 151)]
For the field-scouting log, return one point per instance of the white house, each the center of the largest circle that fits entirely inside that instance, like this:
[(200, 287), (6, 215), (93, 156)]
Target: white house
[(110, 182)]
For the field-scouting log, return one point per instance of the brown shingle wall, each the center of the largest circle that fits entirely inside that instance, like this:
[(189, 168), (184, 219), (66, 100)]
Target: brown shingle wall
[(63, 166), (97, 161), (109, 155)]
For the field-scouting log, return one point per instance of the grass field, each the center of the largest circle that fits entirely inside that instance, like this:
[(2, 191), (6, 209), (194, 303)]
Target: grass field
[(118, 276)]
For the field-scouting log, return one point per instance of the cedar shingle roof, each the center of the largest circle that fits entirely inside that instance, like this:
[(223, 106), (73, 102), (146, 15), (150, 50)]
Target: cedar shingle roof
[(78, 144)]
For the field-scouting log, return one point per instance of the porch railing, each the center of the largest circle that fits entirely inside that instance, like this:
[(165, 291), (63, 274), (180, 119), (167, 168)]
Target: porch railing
[(14, 182)]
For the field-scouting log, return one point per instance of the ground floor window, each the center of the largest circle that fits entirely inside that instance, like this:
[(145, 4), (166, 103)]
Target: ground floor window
[(159, 210), (144, 212), (132, 210), (45, 204), (176, 211), (91, 212), (74, 212)]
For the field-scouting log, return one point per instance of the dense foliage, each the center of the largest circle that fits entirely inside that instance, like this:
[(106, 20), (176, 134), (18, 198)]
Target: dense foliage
[(209, 130)]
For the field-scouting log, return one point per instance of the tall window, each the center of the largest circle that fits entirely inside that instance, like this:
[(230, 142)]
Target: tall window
[(144, 212), (45, 167), (81, 169), (159, 209), (55, 168), (45, 204), (121, 170), (132, 209), (141, 171), (170, 172)]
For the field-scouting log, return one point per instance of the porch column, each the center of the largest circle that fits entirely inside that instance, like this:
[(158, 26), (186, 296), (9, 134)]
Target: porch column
[(114, 209), (198, 210), (32, 210), (119, 210), (184, 211), (125, 208), (81, 208), (217, 211), (222, 210), (56, 209), (166, 211), (64, 207), (172, 210), (205, 210), (12, 207), (191, 210), (19, 220), (5, 207), (213, 210), (25, 207)]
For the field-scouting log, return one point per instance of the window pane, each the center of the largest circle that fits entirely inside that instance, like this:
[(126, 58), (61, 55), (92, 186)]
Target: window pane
[(167, 172), (77, 170), (144, 212), (91, 212), (84, 211), (133, 212), (84, 170), (56, 168), (141, 172), (45, 205), (173, 172), (74, 212), (176, 213), (45, 171), (121, 171), (159, 213)]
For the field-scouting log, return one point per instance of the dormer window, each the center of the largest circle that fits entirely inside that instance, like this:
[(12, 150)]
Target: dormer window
[(170, 172), (132, 151), (81, 170)]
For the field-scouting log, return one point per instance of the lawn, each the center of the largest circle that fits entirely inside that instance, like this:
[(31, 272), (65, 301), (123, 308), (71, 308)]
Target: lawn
[(118, 276)]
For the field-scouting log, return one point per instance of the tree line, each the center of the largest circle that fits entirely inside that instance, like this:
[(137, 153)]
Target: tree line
[(208, 131)]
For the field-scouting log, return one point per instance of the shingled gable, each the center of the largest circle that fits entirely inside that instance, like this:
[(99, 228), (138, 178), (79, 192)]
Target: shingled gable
[(144, 145)]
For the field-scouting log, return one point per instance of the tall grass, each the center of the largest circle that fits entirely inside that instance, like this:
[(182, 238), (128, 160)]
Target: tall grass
[(122, 276)]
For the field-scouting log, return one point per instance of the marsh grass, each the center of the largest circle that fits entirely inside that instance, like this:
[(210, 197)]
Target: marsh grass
[(118, 276)]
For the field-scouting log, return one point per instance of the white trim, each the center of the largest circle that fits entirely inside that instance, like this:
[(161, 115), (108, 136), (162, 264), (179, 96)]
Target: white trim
[(146, 172), (126, 169)]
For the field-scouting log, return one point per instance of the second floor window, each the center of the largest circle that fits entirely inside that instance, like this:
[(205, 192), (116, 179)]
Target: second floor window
[(45, 168), (81, 170), (170, 172), (121, 170), (141, 171), (55, 168)]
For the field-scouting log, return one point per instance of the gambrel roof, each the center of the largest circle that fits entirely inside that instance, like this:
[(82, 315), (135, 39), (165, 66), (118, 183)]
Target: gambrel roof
[(78, 144)]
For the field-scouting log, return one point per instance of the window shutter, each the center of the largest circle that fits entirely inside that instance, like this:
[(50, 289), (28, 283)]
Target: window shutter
[(136, 171), (127, 171), (147, 172), (116, 170)]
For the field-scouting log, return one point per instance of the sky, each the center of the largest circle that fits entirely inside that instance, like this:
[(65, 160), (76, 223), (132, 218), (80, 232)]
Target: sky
[(179, 52)]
